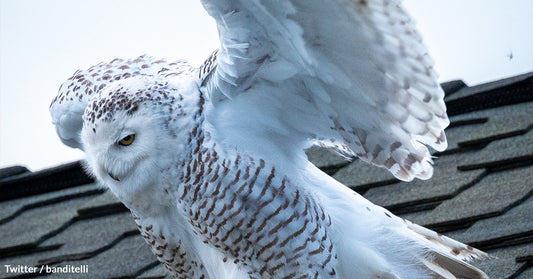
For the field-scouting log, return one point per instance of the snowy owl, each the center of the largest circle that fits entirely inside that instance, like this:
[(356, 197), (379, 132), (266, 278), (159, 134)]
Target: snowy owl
[(211, 160)]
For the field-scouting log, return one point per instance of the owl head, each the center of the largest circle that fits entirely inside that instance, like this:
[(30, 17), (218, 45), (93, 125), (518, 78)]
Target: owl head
[(134, 130)]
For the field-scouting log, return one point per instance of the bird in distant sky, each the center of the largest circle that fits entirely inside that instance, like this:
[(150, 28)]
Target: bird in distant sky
[(211, 160)]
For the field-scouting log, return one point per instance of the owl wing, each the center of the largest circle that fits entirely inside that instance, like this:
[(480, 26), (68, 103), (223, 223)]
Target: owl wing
[(350, 75), (68, 106)]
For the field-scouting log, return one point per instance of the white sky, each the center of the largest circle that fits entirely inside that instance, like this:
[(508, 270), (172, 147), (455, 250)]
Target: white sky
[(42, 43)]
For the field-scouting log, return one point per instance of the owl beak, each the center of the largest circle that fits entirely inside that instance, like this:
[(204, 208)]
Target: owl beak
[(113, 176)]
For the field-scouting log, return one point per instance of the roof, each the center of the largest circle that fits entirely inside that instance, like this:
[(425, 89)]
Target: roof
[(481, 194)]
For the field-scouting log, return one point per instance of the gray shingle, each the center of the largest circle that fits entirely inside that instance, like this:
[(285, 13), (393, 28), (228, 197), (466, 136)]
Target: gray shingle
[(126, 258), (503, 265), (451, 182), (103, 231), (510, 111), (39, 222), (360, 173), (467, 91), (106, 198), (158, 271), (79, 240), (501, 150), (518, 220), (322, 157), (527, 274), (497, 123), (7, 208), (491, 196)]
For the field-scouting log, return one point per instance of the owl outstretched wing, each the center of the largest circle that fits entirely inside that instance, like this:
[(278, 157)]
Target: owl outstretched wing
[(68, 106), (351, 75)]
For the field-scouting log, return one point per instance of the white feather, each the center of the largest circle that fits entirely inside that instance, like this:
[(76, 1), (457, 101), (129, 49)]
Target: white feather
[(366, 56), (350, 75)]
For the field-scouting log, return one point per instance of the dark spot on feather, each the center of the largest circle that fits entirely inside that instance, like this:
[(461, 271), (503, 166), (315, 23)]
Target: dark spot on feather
[(395, 146), (389, 163)]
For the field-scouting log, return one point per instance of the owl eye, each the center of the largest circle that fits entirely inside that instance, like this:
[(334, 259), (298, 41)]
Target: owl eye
[(127, 140)]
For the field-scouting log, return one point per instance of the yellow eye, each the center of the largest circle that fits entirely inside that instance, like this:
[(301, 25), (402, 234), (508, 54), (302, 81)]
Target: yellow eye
[(127, 140)]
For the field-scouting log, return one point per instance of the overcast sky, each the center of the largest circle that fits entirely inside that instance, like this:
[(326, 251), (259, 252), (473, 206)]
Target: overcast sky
[(42, 43)]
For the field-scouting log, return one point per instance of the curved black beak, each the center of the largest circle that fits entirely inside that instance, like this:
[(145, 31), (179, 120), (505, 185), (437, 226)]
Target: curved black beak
[(113, 176)]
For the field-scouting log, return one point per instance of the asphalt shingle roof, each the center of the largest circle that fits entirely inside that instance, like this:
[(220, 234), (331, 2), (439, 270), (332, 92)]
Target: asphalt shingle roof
[(481, 194)]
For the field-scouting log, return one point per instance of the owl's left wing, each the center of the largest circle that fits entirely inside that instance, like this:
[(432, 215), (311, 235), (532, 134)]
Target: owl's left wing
[(74, 94), (352, 75)]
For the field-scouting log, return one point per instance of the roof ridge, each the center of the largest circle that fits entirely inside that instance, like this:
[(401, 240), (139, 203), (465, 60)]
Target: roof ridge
[(506, 94), (43, 181)]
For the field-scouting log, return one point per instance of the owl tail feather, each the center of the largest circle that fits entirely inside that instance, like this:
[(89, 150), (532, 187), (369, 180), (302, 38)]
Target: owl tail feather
[(449, 268), (446, 257)]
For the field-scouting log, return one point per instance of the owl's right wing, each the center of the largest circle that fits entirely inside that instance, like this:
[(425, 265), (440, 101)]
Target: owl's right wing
[(352, 75), (74, 94)]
